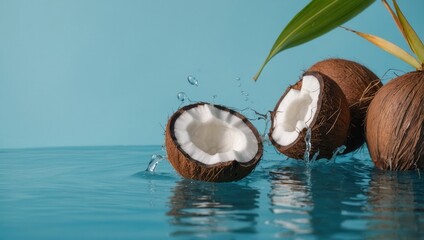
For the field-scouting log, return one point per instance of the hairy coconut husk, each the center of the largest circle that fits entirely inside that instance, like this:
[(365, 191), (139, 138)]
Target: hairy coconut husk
[(359, 84), (190, 168), (395, 124), (330, 125)]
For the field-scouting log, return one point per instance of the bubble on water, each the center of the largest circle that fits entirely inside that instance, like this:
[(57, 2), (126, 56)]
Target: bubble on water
[(182, 96), (155, 159), (192, 80)]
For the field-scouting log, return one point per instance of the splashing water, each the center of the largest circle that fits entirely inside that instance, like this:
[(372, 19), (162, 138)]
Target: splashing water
[(306, 155), (254, 115), (338, 151), (314, 158), (155, 159), (267, 118), (192, 80), (182, 97)]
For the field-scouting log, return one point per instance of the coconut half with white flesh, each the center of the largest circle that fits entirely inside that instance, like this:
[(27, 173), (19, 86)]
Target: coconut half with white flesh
[(212, 143), (314, 102)]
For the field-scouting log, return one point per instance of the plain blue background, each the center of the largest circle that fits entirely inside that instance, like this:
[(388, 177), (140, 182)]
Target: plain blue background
[(103, 72)]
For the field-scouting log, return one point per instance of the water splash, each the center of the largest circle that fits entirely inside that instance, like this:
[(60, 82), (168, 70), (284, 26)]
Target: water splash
[(314, 158), (155, 159), (192, 80), (338, 151), (267, 119), (306, 155), (182, 97), (254, 115)]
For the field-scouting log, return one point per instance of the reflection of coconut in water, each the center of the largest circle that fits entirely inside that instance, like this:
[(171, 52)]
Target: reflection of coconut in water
[(359, 85), (201, 208), (291, 201), (212, 143), (395, 124), (395, 207), (314, 102)]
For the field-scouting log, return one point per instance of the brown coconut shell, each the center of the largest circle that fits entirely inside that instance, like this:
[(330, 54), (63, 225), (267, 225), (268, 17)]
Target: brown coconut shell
[(395, 124), (330, 126), (359, 84), (190, 168)]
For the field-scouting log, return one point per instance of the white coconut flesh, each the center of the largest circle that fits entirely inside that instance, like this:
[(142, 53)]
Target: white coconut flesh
[(210, 135), (296, 111)]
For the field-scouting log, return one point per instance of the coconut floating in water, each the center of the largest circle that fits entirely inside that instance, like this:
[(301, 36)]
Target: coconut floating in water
[(359, 85), (317, 103), (212, 143), (395, 124)]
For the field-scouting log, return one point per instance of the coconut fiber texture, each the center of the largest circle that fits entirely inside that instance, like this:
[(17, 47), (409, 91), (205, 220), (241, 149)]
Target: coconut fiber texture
[(395, 124), (359, 84), (330, 125), (190, 168)]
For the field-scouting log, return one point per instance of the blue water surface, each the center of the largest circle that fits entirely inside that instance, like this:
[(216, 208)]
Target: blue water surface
[(105, 193)]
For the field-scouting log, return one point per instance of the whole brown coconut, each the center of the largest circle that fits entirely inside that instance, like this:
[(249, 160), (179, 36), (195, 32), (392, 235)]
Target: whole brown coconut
[(212, 143), (395, 124), (314, 102), (359, 84)]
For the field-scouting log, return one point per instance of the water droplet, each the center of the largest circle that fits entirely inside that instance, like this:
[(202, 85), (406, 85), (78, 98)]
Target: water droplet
[(181, 96), (155, 159), (238, 80), (244, 93), (192, 80)]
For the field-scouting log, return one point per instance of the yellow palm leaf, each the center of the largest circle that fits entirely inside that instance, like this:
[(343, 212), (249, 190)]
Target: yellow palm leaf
[(390, 48)]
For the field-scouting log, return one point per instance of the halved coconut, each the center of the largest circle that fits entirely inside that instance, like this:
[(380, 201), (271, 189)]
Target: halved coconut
[(359, 85), (212, 143), (314, 102)]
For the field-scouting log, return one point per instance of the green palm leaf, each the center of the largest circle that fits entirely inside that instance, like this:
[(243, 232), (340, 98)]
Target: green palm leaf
[(316, 19), (414, 41)]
